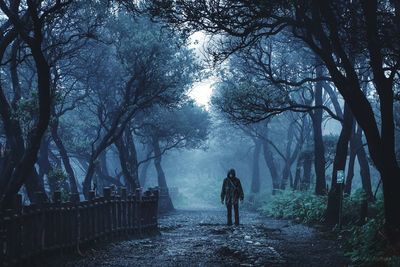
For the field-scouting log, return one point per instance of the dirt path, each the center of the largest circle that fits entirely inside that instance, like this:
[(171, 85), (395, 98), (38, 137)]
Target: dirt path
[(201, 238)]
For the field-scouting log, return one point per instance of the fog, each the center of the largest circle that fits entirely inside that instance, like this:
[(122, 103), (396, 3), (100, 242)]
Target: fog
[(186, 108)]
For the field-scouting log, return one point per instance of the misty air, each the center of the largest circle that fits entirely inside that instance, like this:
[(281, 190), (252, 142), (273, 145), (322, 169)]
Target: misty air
[(199, 133)]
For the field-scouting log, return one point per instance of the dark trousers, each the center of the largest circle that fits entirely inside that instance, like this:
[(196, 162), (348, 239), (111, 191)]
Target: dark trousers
[(236, 208)]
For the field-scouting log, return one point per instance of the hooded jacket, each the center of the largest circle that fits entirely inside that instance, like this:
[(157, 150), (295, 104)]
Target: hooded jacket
[(232, 189)]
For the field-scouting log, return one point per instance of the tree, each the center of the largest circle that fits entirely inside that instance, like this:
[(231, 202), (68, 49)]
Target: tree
[(185, 126), (253, 91), (323, 27), (145, 68), (255, 176), (28, 21)]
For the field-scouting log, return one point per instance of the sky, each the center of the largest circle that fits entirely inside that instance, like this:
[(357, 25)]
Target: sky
[(201, 91)]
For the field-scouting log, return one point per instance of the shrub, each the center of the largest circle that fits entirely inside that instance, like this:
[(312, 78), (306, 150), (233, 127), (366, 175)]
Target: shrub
[(300, 206), (367, 244), (57, 178), (365, 241)]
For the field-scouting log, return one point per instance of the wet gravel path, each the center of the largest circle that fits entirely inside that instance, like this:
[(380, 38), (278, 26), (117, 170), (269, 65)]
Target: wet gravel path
[(201, 238)]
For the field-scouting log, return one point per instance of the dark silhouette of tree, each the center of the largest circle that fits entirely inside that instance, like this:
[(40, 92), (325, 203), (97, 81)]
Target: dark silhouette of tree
[(324, 28), (254, 91), (145, 68), (29, 22), (185, 126)]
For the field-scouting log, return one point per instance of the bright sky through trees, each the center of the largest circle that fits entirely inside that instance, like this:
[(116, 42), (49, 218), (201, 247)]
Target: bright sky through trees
[(202, 90)]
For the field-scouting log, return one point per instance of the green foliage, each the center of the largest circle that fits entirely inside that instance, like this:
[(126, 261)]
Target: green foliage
[(186, 126), (366, 244), (352, 207), (304, 207), (57, 178), (26, 112)]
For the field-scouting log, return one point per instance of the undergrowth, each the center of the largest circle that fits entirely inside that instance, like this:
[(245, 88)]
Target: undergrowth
[(364, 239), (295, 205)]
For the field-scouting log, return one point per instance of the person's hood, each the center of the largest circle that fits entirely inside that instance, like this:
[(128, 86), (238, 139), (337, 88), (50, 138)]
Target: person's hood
[(231, 171)]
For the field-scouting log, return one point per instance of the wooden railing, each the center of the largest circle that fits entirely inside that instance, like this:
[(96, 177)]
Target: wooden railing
[(27, 231)]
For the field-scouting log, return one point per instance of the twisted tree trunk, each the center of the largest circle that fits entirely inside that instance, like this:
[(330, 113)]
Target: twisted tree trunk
[(64, 157)]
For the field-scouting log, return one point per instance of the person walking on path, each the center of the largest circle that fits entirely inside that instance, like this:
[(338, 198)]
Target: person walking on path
[(231, 193)]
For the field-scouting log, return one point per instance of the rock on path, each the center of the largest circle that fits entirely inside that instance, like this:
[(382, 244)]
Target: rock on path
[(201, 238)]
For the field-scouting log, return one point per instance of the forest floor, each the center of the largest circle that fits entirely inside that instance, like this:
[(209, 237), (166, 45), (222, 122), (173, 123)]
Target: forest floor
[(201, 238)]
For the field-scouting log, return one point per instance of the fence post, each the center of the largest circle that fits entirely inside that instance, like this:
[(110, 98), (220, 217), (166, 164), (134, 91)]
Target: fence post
[(130, 214), (40, 225), (57, 197), (138, 209), (107, 192), (74, 198), (155, 206), (75, 219), (14, 238), (91, 215), (108, 209), (56, 232), (114, 212), (92, 195), (17, 203), (41, 197), (123, 193), (123, 210)]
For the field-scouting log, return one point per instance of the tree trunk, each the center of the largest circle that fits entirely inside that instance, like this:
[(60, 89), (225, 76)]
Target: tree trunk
[(357, 149), (64, 157), (255, 181), (123, 158), (364, 167), (143, 173), (96, 152), (34, 184), (390, 175), (353, 153), (132, 157), (24, 167), (319, 156), (319, 147), (339, 163), (290, 157), (103, 173), (87, 182), (307, 164), (297, 176), (44, 164), (287, 163), (162, 183), (128, 160), (270, 161)]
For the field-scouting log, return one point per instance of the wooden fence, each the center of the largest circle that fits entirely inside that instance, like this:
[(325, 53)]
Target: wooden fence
[(28, 231)]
